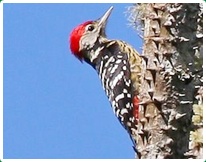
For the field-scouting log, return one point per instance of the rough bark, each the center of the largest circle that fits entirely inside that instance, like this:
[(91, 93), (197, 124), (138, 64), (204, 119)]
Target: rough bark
[(170, 124)]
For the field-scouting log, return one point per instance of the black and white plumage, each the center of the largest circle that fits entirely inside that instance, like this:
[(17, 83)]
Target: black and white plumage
[(114, 71), (117, 64)]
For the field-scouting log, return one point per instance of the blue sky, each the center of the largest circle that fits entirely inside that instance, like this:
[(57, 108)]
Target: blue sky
[(54, 106)]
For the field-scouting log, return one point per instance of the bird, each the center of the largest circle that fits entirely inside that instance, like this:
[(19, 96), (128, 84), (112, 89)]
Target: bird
[(117, 64)]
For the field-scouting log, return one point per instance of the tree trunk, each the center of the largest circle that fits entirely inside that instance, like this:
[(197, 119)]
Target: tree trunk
[(170, 122)]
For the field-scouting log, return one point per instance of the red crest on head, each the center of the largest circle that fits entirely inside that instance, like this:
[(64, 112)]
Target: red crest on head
[(75, 37)]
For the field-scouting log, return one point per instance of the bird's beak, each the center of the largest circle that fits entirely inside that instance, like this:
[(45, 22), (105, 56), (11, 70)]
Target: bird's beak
[(103, 20)]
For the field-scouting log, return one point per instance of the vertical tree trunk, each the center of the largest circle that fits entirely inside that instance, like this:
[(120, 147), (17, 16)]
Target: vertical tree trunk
[(171, 80)]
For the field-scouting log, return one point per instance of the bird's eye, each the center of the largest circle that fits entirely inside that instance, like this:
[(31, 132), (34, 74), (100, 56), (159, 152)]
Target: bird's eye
[(90, 28)]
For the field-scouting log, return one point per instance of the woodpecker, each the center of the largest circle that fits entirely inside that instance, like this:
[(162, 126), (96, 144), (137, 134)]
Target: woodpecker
[(118, 65)]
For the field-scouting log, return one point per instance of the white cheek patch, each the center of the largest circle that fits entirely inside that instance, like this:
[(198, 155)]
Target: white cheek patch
[(87, 41)]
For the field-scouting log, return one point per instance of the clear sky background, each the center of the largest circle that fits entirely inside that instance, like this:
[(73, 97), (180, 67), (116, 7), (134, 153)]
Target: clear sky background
[(54, 106)]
